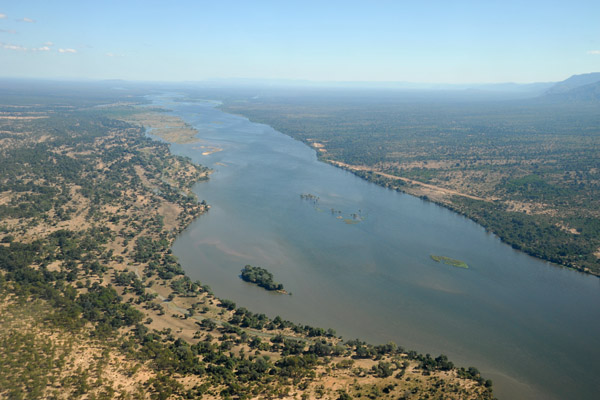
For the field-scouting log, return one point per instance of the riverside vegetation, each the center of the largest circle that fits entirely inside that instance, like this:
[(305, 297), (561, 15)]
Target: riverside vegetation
[(94, 305), (526, 170)]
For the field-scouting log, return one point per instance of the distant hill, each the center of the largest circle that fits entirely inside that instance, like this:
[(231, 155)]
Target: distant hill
[(585, 87), (574, 82)]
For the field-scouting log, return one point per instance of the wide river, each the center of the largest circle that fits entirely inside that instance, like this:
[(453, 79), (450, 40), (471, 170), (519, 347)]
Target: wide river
[(531, 327)]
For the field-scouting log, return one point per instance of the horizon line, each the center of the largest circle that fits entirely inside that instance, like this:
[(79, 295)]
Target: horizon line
[(292, 81)]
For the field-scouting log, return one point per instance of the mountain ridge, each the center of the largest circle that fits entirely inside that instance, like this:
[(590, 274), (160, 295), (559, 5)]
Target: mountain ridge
[(577, 88)]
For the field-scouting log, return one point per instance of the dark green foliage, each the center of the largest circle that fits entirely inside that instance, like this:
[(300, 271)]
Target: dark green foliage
[(156, 254), (382, 369), (261, 277), (103, 306), (296, 366), (247, 319), (147, 249), (185, 287), (473, 373), (440, 363), (164, 387), (228, 304), (344, 396)]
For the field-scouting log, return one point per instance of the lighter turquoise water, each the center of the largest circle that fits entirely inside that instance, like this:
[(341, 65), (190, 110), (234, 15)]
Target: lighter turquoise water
[(533, 328)]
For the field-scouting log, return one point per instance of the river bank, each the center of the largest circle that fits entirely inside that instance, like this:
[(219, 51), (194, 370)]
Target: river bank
[(375, 279)]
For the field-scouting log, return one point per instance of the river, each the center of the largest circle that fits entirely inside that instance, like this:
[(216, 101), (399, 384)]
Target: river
[(364, 268)]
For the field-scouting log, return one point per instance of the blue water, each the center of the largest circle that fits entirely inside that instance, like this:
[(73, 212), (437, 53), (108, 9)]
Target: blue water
[(531, 327)]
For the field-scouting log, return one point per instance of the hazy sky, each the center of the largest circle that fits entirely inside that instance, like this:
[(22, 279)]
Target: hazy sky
[(418, 41)]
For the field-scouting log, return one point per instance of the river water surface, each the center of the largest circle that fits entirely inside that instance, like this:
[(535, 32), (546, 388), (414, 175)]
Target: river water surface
[(531, 327)]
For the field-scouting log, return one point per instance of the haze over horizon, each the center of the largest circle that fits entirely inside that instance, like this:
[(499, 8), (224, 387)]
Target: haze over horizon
[(465, 42)]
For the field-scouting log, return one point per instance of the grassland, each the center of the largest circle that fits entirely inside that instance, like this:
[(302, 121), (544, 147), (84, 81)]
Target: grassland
[(94, 305)]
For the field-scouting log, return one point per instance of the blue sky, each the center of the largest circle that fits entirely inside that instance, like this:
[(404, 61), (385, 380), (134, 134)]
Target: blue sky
[(414, 41)]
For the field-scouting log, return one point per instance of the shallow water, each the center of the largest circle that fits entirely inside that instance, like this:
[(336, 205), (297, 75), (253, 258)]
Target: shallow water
[(531, 327)]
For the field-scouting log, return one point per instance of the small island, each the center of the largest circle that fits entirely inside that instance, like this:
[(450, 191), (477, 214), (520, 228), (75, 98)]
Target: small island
[(450, 261), (262, 278)]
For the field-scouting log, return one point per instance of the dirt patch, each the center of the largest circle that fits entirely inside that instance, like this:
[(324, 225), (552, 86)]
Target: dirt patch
[(568, 229), (531, 208), (425, 188), (170, 213)]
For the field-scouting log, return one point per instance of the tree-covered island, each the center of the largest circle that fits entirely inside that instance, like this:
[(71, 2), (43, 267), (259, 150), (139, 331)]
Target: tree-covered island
[(261, 277)]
